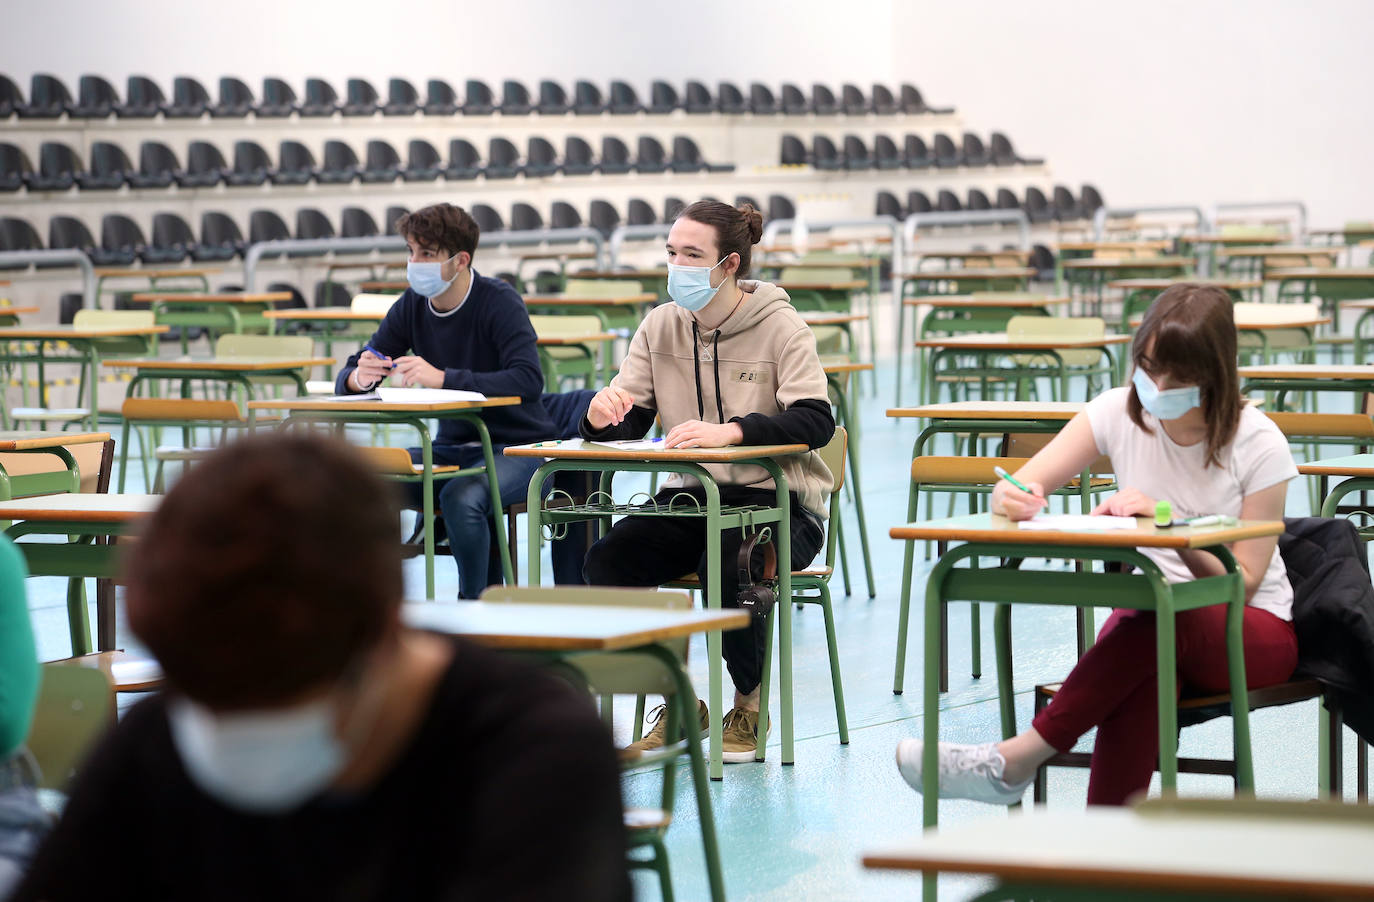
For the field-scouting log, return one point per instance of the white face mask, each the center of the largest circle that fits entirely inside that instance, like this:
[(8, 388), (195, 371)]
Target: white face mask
[(1165, 404), (265, 762)]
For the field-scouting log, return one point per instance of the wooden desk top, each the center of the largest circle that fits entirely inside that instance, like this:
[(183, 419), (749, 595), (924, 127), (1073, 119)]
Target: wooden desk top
[(32, 441), (563, 300), (1276, 318), (295, 404), (1010, 299), (850, 263), (1365, 304), (546, 340), (820, 318), (996, 529), (228, 297), (66, 333), (1351, 465), (325, 313), (645, 275), (1161, 284), (1021, 256), (384, 285), (1000, 341), (80, 507), (1307, 371), (1358, 230), (1289, 850), (803, 285), (1151, 245), (123, 273), (1234, 239), (1286, 250), (219, 364), (1108, 263), (17, 311), (834, 369), (973, 272), (1319, 272), (576, 449), (556, 255), (564, 627), (992, 410)]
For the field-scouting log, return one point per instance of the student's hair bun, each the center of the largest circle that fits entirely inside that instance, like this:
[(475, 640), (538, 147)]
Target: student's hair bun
[(753, 221)]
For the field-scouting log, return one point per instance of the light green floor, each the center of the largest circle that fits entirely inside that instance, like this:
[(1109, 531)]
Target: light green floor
[(797, 832)]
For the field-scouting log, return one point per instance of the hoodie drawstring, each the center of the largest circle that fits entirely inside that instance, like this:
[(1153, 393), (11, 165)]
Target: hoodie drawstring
[(715, 359), (696, 371)]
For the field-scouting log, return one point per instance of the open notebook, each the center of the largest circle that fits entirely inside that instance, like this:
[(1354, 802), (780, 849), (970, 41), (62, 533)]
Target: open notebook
[(411, 396)]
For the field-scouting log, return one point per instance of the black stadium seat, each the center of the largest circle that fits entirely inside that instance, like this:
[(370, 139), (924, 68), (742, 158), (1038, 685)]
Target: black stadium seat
[(1003, 154), (686, 155), (96, 98), (885, 153), (564, 215), (947, 155), (338, 165), (947, 202), (1037, 206), (464, 162), (393, 216), (615, 156), (794, 102), (70, 233), (602, 217), (915, 154), (18, 235), (977, 200), (515, 99), (913, 102), (698, 98), (1090, 199), (1066, 209), (48, 98), (587, 99), (487, 219), (401, 98), (295, 164), (824, 154), (278, 99), (109, 168), (15, 168), (793, 151), (651, 156), (881, 101), (382, 164), (172, 240), (525, 218), (360, 98), (11, 98), (624, 101), (320, 98), (143, 99), (553, 100), (672, 207), (189, 100), (640, 212), (158, 166), (265, 225), (478, 99), (578, 158), (541, 157), (852, 100), (235, 99), (355, 222), (856, 155), (974, 153), (312, 224), (730, 99), (917, 202), (1007, 199), (761, 100), (205, 166), (252, 165), (503, 159), (440, 98), (887, 204), (823, 101), (780, 207), (121, 241), (58, 166), (220, 238), (423, 163), (663, 98)]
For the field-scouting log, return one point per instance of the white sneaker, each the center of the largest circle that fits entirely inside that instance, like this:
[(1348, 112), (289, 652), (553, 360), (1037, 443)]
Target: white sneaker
[(966, 772)]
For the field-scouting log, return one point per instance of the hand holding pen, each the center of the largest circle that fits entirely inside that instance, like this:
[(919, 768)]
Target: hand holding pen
[(1015, 499), (373, 367)]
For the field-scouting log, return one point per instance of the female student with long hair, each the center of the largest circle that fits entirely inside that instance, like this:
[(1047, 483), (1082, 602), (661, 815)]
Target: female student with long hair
[(1180, 432)]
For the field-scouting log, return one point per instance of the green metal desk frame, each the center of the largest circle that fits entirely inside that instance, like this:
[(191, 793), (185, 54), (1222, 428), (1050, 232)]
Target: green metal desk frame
[(954, 321), (843, 419), (87, 355), (237, 318), (718, 518), (68, 480)]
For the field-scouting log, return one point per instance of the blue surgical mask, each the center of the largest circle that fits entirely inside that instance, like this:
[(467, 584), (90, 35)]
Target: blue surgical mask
[(265, 762), (1165, 405), (427, 279), (690, 286)]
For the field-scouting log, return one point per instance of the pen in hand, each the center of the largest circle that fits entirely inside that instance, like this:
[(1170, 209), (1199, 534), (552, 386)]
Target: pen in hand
[(380, 356), (1003, 474)]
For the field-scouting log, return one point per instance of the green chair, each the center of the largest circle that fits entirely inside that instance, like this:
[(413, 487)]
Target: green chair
[(1091, 364), (831, 301), (233, 344), (569, 361), (612, 316), (186, 414), (75, 707), (1268, 344), (639, 674)]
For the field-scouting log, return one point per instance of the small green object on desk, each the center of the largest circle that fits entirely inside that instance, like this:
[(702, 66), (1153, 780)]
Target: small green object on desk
[(1164, 513)]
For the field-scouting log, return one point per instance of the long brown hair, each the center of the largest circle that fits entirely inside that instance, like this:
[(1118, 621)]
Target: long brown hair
[(1189, 332), (738, 229)]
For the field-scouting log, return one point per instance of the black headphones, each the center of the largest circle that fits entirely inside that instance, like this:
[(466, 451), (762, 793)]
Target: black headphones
[(758, 598)]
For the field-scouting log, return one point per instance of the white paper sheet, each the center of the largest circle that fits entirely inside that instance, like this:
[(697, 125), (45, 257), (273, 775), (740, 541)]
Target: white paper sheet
[(1076, 523)]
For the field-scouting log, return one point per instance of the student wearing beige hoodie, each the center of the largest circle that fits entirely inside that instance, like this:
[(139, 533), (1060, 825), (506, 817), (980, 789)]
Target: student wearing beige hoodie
[(728, 363)]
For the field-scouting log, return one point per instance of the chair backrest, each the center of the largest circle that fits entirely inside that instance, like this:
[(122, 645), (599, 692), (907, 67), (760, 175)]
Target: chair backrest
[(1076, 327), (179, 410), (87, 318), (373, 303), (811, 274), (602, 288), (233, 344), (609, 673), (554, 326), (1324, 425), (388, 461), (75, 707), (90, 457)]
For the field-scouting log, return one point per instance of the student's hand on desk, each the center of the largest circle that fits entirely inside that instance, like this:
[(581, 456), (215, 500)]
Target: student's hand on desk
[(609, 407), (417, 371), (1127, 503), (1014, 504), (696, 434)]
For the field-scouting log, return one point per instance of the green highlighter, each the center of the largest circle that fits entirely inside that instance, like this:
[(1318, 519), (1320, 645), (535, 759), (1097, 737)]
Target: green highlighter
[(1164, 514)]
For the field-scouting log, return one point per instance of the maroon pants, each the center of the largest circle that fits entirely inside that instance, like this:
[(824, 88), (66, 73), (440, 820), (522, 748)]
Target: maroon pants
[(1114, 688)]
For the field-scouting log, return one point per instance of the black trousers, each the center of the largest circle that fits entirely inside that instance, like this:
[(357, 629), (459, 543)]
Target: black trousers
[(650, 551)]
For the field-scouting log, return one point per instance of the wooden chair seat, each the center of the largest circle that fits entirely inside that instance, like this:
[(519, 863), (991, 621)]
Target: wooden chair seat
[(647, 819), (397, 462), (126, 672), (50, 414), (1324, 425), (135, 410)]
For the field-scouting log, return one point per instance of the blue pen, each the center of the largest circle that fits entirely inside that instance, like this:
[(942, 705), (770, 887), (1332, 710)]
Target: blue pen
[(379, 355)]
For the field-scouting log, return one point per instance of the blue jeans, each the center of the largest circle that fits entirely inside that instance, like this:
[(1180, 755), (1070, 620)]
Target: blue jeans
[(464, 503)]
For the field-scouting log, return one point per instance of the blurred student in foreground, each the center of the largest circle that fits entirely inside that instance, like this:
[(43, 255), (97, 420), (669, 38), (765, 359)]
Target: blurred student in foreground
[(308, 745)]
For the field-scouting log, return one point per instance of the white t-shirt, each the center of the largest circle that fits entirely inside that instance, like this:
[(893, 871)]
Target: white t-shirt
[(1153, 463)]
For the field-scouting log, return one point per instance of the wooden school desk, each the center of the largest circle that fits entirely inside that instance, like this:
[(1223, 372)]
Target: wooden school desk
[(81, 518), (1362, 338), (1358, 470), (1286, 377), (576, 455), (229, 370), (564, 630), (1139, 294), (1256, 323), (9, 316), (1330, 284), (68, 479), (232, 311), (622, 312), (986, 348), (971, 278), (150, 277)]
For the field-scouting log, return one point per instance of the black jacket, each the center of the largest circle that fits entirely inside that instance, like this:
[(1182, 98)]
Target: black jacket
[(1333, 612)]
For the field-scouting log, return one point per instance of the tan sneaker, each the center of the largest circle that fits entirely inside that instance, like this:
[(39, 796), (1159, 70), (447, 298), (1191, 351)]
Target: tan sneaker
[(654, 739), (739, 732)]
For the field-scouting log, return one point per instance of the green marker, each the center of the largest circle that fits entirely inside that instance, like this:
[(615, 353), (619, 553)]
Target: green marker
[(1014, 481)]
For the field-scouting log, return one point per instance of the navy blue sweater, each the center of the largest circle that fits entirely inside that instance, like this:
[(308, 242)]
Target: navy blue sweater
[(486, 345)]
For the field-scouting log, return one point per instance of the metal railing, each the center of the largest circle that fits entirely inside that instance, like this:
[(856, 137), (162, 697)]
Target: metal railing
[(621, 233), (1298, 206), (1204, 226), (59, 256)]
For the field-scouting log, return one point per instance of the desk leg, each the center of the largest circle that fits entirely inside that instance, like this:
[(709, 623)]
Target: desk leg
[(427, 502), (93, 360), (784, 540), (1167, 666), (1235, 662), (904, 611), (711, 594), (493, 486)]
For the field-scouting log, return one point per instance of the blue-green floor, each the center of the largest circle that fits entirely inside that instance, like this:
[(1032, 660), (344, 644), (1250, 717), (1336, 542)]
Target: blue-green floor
[(798, 832)]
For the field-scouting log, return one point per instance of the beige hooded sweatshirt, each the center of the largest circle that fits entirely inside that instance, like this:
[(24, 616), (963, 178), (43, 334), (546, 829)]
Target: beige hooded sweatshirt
[(762, 359)]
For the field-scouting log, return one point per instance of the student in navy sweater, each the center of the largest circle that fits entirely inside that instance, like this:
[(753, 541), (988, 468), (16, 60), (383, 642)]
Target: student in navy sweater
[(456, 329)]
